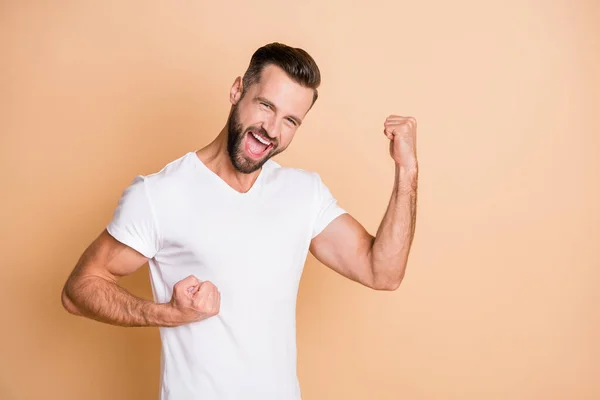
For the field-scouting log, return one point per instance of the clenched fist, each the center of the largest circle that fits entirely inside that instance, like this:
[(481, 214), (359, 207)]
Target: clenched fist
[(194, 300), (402, 132)]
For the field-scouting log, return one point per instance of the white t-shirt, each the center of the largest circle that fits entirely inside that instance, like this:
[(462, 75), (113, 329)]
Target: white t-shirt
[(252, 246)]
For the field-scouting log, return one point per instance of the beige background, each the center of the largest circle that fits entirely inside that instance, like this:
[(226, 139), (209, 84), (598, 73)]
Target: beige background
[(500, 300)]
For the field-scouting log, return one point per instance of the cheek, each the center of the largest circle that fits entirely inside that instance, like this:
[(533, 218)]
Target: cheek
[(286, 137), (249, 115)]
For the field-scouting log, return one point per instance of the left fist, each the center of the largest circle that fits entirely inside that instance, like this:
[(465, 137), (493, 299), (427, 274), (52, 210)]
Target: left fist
[(402, 132)]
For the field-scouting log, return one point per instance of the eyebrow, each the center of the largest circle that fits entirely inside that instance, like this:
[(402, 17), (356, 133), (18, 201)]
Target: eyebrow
[(298, 120)]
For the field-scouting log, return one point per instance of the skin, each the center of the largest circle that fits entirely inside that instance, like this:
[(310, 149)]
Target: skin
[(273, 108)]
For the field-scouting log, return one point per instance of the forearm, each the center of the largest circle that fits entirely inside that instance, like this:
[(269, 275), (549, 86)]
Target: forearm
[(105, 301), (391, 247)]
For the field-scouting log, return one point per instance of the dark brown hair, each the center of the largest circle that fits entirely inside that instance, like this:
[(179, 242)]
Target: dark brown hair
[(296, 63)]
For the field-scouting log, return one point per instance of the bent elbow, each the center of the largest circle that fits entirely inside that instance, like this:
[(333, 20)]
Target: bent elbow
[(388, 284), (68, 304)]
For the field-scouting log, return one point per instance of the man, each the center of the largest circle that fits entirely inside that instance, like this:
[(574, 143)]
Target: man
[(226, 231)]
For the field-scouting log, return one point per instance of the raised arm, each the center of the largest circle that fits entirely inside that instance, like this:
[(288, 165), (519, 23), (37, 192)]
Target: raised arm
[(92, 290), (378, 262)]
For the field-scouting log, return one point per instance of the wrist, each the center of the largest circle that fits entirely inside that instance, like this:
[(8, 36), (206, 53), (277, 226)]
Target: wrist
[(167, 315), (406, 178), (411, 170)]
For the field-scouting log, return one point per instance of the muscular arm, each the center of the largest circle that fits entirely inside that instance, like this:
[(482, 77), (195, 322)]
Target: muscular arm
[(92, 290), (389, 255), (377, 262)]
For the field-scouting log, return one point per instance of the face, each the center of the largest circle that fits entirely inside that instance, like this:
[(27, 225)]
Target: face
[(263, 121)]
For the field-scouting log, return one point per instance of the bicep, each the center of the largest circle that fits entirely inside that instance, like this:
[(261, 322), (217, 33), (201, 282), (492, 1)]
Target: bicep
[(108, 258), (345, 246)]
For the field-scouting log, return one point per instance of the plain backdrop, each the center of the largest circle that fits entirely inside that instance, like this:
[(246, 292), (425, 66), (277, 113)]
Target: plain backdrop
[(500, 299)]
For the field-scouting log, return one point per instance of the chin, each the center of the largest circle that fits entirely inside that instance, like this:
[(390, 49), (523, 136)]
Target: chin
[(248, 165)]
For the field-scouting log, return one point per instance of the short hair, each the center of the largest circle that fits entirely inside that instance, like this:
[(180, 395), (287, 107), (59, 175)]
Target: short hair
[(296, 63)]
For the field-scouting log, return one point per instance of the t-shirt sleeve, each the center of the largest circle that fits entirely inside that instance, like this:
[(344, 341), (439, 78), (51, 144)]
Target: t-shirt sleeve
[(328, 208), (134, 222)]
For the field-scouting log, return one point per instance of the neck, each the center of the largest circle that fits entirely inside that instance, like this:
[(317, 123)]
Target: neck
[(216, 158)]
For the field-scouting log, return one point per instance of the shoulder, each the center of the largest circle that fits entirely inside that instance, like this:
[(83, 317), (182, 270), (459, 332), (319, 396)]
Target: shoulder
[(291, 175), (173, 169), (296, 184), (166, 183), (173, 174)]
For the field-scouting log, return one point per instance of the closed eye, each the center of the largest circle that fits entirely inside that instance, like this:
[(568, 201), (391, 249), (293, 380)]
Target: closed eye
[(292, 121), (265, 105)]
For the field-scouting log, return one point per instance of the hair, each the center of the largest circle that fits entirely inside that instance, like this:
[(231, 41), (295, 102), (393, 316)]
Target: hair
[(296, 63)]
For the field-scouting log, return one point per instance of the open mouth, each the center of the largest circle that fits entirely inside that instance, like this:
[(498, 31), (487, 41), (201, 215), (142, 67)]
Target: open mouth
[(257, 146)]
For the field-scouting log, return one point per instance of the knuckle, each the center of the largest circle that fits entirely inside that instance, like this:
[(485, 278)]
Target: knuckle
[(179, 288), (187, 280), (209, 284), (212, 311)]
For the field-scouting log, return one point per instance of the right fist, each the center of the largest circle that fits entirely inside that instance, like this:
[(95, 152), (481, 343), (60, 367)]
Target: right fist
[(195, 300)]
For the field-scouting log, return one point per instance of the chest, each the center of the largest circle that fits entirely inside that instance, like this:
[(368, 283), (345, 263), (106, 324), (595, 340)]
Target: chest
[(241, 245)]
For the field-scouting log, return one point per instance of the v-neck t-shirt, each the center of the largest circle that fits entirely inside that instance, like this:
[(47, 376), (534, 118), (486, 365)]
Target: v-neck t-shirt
[(252, 246)]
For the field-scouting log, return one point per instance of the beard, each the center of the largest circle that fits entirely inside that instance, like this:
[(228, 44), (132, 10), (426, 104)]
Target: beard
[(235, 142)]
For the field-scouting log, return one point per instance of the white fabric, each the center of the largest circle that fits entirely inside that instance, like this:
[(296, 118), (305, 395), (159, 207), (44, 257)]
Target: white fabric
[(252, 246)]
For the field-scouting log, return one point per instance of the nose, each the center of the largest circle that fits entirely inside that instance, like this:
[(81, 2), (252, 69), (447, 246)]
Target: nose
[(273, 127)]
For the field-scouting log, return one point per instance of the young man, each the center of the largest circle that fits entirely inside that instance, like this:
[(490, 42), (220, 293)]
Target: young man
[(226, 231)]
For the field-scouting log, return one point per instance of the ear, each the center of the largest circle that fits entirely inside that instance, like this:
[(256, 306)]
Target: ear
[(236, 90)]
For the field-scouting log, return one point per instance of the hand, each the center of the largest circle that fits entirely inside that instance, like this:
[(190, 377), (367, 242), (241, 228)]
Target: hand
[(195, 300), (402, 131)]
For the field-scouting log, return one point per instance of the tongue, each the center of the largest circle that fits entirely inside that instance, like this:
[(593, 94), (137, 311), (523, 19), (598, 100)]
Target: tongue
[(254, 145)]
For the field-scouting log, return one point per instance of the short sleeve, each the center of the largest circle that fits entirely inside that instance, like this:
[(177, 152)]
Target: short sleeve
[(327, 207), (134, 221)]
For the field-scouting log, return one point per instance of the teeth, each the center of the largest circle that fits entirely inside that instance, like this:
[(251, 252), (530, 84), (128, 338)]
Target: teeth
[(263, 141)]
